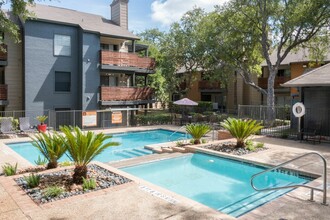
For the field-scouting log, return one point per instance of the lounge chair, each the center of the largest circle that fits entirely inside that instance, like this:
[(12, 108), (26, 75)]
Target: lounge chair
[(24, 125), (6, 126)]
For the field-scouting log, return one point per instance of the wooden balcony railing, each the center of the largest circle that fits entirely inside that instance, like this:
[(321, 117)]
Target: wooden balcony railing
[(3, 55), (125, 93), (205, 84), (3, 91), (263, 82), (126, 59)]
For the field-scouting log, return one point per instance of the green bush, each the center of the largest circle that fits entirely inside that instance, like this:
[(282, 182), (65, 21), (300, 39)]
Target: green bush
[(203, 107), (32, 180), (89, 184), (66, 163), (9, 170), (260, 145), (153, 119), (52, 191), (249, 145), (197, 131), (241, 129)]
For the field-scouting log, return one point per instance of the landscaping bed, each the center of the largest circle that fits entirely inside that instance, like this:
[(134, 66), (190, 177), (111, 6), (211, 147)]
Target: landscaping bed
[(230, 148), (58, 185)]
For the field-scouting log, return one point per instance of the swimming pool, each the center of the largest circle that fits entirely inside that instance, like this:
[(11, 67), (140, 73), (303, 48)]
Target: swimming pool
[(220, 183), (131, 145)]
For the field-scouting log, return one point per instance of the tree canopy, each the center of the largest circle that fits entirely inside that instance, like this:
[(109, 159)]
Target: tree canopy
[(17, 8)]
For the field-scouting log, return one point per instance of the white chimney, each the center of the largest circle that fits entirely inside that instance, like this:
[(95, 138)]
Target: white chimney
[(119, 12)]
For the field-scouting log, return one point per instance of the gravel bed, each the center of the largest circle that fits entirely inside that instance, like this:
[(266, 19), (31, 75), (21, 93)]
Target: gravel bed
[(104, 179), (230, 148)]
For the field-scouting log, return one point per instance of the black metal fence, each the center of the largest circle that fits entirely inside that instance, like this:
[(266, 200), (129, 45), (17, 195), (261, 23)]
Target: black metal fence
[(284, 124)]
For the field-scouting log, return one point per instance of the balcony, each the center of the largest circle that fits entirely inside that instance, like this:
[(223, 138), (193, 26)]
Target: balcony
[(263, 82), (3, 94), (126, 60), (3, 55), (125, 95), (207, 85)]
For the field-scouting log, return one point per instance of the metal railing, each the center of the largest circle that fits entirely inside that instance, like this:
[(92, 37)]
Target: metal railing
[(324, 190)]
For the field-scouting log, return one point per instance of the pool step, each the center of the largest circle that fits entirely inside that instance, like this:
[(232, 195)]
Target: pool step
[(167, 150), (179, 149)]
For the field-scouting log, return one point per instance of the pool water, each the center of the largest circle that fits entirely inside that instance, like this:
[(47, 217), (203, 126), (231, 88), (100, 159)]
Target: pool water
[(220, 183), (131, 145)]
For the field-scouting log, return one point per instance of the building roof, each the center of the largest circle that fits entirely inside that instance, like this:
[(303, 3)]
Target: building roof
[(88, 22), (299, 56), (317, 77)]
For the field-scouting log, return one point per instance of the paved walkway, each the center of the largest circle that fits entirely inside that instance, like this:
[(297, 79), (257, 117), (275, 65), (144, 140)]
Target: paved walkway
[(129, 201)]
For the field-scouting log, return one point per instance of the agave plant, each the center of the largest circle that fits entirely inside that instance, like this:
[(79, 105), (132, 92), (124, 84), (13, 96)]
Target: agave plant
[(83, 148), (241, 129), (51, 146), (197, 131)]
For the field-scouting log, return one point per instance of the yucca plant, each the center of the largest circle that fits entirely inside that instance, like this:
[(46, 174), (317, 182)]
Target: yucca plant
[(197, 131), (32, 180), (9, 170), (51, 146), (83, 148), (241, 129)]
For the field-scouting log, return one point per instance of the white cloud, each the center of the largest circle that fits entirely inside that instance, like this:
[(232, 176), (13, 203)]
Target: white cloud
[(169, 11)]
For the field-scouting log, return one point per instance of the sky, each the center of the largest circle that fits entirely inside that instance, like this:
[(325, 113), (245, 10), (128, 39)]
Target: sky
[(142, 14)]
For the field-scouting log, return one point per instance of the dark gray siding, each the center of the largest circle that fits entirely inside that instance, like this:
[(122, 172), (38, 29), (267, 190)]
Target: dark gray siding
[(41, 64), (317, 102), (90, 70)]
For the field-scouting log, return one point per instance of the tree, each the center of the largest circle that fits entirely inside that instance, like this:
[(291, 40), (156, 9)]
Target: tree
[(182, 50), (247, 30), (152, 38), (83, 148), (18, 8)]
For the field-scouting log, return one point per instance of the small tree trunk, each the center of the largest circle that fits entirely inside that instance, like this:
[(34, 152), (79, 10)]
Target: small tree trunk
[(240, 144), (197, 141), (52, 165), (79, 173), (271, 98)]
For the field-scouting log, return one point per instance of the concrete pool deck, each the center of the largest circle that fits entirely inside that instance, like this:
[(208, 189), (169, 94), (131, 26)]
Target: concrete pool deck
[(142, 200)]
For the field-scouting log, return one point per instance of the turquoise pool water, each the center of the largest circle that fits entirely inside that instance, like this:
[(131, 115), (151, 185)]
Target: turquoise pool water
[(220, 183), (131, 145)]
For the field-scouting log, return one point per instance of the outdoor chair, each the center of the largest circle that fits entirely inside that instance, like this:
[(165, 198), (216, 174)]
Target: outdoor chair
[(6, 126), (24, 125), (311, 133)]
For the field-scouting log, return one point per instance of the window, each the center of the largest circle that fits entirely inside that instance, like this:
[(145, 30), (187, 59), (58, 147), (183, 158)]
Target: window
[(62, 45), (62, 81)]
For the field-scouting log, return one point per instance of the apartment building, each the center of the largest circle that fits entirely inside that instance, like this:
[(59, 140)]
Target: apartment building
[(236, 92), (71, 60)]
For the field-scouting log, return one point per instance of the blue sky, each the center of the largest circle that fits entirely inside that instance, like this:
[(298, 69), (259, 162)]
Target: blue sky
[(143, 14)]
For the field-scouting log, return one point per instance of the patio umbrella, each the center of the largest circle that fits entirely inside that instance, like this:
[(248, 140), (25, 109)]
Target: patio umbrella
[(186, 102)]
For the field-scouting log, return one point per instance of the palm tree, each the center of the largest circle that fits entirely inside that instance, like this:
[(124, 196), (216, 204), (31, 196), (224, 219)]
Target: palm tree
[(51, 147), (241, 129), (197, 131), (83, 148)]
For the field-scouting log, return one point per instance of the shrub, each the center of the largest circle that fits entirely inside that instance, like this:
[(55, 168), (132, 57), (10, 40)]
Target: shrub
[(83, 148), (241, 129), (179, 143), (197, 131), (41, 161), (52, 191), (204, 141), (66, 163), (260, 145), (42, 118), (153, 119), (51, 146), (14, 122), (249, 145), (32, 180), (88, 184), (9, 170)]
